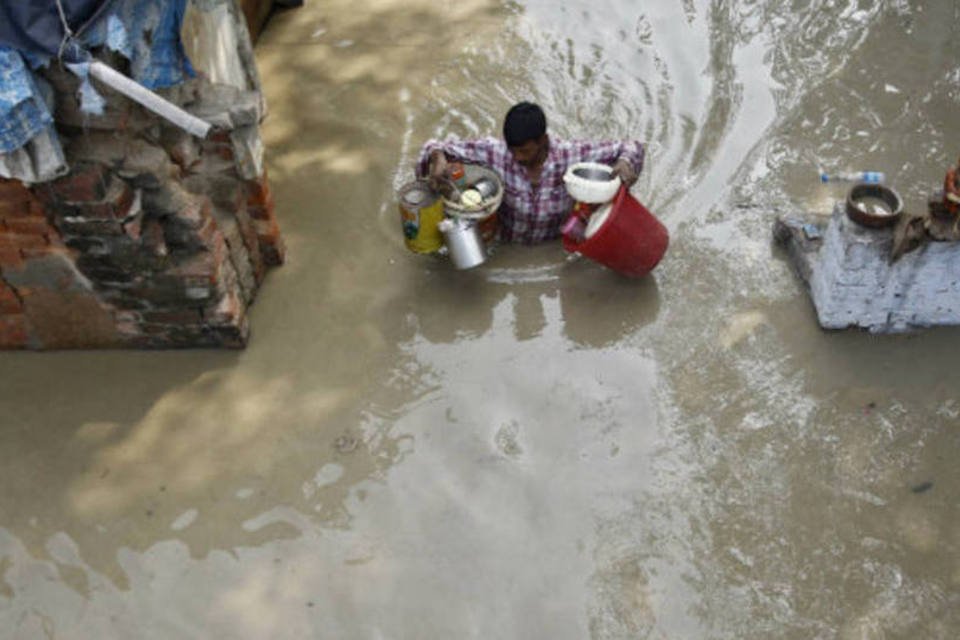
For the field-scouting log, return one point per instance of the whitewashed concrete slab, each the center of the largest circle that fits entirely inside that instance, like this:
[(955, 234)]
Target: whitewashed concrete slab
[(853, 283)]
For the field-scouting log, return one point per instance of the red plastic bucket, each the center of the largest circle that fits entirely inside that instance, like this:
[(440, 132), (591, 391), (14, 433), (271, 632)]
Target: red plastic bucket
[(631, 240)]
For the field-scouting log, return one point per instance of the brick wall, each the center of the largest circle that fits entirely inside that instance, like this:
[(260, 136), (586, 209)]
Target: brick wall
[(154, 239)]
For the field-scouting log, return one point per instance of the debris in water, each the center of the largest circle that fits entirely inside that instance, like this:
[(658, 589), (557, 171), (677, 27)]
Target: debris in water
[(812, 232), (923, 487), (507, 439), (740, 326), (346, 443), (184, 520)]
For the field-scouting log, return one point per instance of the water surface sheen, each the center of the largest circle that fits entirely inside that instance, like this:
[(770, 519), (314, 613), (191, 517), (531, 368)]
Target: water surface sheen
[(537, 448)]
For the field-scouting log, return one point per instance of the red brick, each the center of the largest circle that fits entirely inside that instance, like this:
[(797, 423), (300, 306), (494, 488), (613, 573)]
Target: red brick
[(9, 302), (134, 228), (260, 213), (10, 188), (22, 241), (14, 206), (10, 258), (55, 239), (218, 248), (178, 317), (249, 235), (219, 136), (267, 229), (29, 225), (37, 209), (229, 311), (115, 204), (14, 331), (209, 233), (152, 238), (86, 183), (224, 151), (40, 252), (274, 253), (196, 214), (271, 244), (259, 194), (26, 292), (200, 269), (184, 152), (29, 253)]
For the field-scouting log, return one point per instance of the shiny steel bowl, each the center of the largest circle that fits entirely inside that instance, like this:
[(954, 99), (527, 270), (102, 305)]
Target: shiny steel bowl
[(591, 182), (486, 187), (595, 174)]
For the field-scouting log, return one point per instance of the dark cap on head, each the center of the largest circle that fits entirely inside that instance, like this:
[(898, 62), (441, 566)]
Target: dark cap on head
[(525, 121)]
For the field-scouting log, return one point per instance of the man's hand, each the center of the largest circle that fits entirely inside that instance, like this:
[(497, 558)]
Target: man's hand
[(624, 170), (952, 197), (437, 169)]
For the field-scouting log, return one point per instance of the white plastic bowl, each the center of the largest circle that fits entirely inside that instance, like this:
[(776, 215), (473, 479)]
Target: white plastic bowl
[(587, 190)]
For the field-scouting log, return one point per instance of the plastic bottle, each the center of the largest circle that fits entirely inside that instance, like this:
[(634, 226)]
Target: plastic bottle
[(575, 227), (870, 177)]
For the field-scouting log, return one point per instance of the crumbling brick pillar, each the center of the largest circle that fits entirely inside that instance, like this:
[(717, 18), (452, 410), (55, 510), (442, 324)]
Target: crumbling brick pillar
[(154, 239)]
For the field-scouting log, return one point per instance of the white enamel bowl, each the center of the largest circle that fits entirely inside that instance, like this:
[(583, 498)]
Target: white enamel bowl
[(591, 182)]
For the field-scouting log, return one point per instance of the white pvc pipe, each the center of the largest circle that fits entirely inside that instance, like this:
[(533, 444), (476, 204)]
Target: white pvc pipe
[(137, 92)]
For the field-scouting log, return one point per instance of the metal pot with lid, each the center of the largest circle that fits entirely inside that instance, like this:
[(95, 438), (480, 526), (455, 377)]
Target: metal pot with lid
[(463, 241)]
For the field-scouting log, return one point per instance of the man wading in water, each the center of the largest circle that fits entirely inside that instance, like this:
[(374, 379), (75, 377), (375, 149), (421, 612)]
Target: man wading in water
[(535, 200)]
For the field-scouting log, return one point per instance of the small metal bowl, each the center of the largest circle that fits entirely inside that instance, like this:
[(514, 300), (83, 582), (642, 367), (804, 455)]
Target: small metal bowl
[(594, 173), (884, 212), (486, 187)]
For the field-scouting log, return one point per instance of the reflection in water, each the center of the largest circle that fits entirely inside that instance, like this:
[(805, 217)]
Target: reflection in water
[(601, 308), (535, 448), (204, 455), (598, 307)]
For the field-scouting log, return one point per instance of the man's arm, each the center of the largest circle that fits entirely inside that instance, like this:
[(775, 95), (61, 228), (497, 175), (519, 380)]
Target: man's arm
[(435, 153), (623, 169)]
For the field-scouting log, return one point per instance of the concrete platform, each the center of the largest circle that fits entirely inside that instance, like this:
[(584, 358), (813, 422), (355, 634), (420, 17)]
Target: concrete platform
[(852, 282)]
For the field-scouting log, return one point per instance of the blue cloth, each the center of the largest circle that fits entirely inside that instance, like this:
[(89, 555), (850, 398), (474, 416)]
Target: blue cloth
[(36, 26), (146, 32), (156, 62), (23, 112)]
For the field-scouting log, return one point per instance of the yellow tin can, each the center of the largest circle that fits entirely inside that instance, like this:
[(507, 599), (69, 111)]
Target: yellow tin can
[(420, 212)]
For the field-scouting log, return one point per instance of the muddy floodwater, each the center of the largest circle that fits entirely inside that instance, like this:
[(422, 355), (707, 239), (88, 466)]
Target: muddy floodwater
[(537, 448)]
